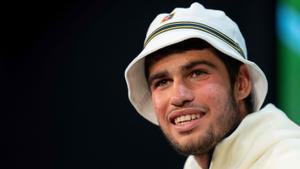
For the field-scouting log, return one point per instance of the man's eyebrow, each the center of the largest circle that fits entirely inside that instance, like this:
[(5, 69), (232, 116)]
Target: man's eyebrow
[(185, 67), (157, 75), (192, 64)]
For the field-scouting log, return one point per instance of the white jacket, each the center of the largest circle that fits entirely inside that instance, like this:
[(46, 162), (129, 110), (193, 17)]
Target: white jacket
[(266, 139)]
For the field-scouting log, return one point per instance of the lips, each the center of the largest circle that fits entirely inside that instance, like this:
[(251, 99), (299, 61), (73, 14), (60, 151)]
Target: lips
[(186, 119)]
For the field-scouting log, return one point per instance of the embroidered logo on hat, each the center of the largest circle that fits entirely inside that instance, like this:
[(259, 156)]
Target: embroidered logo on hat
[(168, 17)]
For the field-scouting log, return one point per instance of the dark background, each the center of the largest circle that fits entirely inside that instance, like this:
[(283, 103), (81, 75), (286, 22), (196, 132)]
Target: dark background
[(63, 95)]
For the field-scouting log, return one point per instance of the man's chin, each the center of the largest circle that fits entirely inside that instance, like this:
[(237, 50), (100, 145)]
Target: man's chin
[(190, 149), (193, 144)]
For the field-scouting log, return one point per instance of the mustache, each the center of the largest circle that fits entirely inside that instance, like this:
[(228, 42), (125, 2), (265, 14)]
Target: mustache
[(197, 106)]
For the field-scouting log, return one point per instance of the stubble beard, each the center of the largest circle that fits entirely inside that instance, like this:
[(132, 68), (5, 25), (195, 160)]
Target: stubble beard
[(199, 146)]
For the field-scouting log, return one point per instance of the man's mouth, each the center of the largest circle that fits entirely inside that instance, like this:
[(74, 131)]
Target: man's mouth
[(186, 119), (180, 120), (186, 116)]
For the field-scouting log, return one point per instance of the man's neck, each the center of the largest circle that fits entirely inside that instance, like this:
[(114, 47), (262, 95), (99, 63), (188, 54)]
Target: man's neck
[(204, 160)]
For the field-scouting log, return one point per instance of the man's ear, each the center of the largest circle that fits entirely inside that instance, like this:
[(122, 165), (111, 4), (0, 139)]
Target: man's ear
[(243, 83)]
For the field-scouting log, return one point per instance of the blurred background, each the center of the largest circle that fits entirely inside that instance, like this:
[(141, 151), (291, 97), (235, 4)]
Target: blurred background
[(63, 96)]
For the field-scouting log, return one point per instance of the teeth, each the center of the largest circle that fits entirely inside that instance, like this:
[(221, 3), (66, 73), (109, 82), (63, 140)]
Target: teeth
[(186, 118)]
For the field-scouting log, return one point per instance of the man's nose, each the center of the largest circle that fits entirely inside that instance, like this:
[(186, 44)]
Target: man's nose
[(181, 95)]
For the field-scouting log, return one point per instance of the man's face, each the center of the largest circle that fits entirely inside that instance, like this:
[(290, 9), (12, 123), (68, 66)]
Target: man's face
[(193, 100)]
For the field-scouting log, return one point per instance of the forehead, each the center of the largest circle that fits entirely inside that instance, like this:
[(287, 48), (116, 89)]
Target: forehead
[(181, 58)]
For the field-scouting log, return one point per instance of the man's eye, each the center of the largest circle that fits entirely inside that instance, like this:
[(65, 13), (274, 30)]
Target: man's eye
[(197, 73), (161, 83)]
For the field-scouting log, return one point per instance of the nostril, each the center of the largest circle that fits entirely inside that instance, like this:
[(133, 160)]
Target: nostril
[(180, 101), (177, 101)]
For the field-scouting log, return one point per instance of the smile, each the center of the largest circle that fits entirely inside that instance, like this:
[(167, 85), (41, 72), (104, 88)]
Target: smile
[(186, 118)]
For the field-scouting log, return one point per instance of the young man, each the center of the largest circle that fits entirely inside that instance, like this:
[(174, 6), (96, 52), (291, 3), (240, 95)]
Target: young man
[(194, 80)]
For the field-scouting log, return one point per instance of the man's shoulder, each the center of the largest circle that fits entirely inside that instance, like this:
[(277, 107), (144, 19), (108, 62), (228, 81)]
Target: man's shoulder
[(284, 154), (281, 137)]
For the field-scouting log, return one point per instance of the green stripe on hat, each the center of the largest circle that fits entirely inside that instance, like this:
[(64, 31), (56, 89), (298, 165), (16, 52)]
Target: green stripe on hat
[(196, 26)]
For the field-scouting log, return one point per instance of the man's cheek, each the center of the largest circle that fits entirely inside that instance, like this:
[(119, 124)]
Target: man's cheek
[(159, 105), (215, 92)]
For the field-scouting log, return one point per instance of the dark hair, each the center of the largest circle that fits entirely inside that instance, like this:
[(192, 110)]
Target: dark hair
[(232, 65)]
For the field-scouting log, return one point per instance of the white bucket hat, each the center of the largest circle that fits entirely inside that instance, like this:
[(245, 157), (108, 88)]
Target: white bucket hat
[(212, 26)]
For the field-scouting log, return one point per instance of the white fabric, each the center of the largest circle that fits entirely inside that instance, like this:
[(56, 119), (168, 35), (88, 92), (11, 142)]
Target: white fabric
[(264, 140)]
